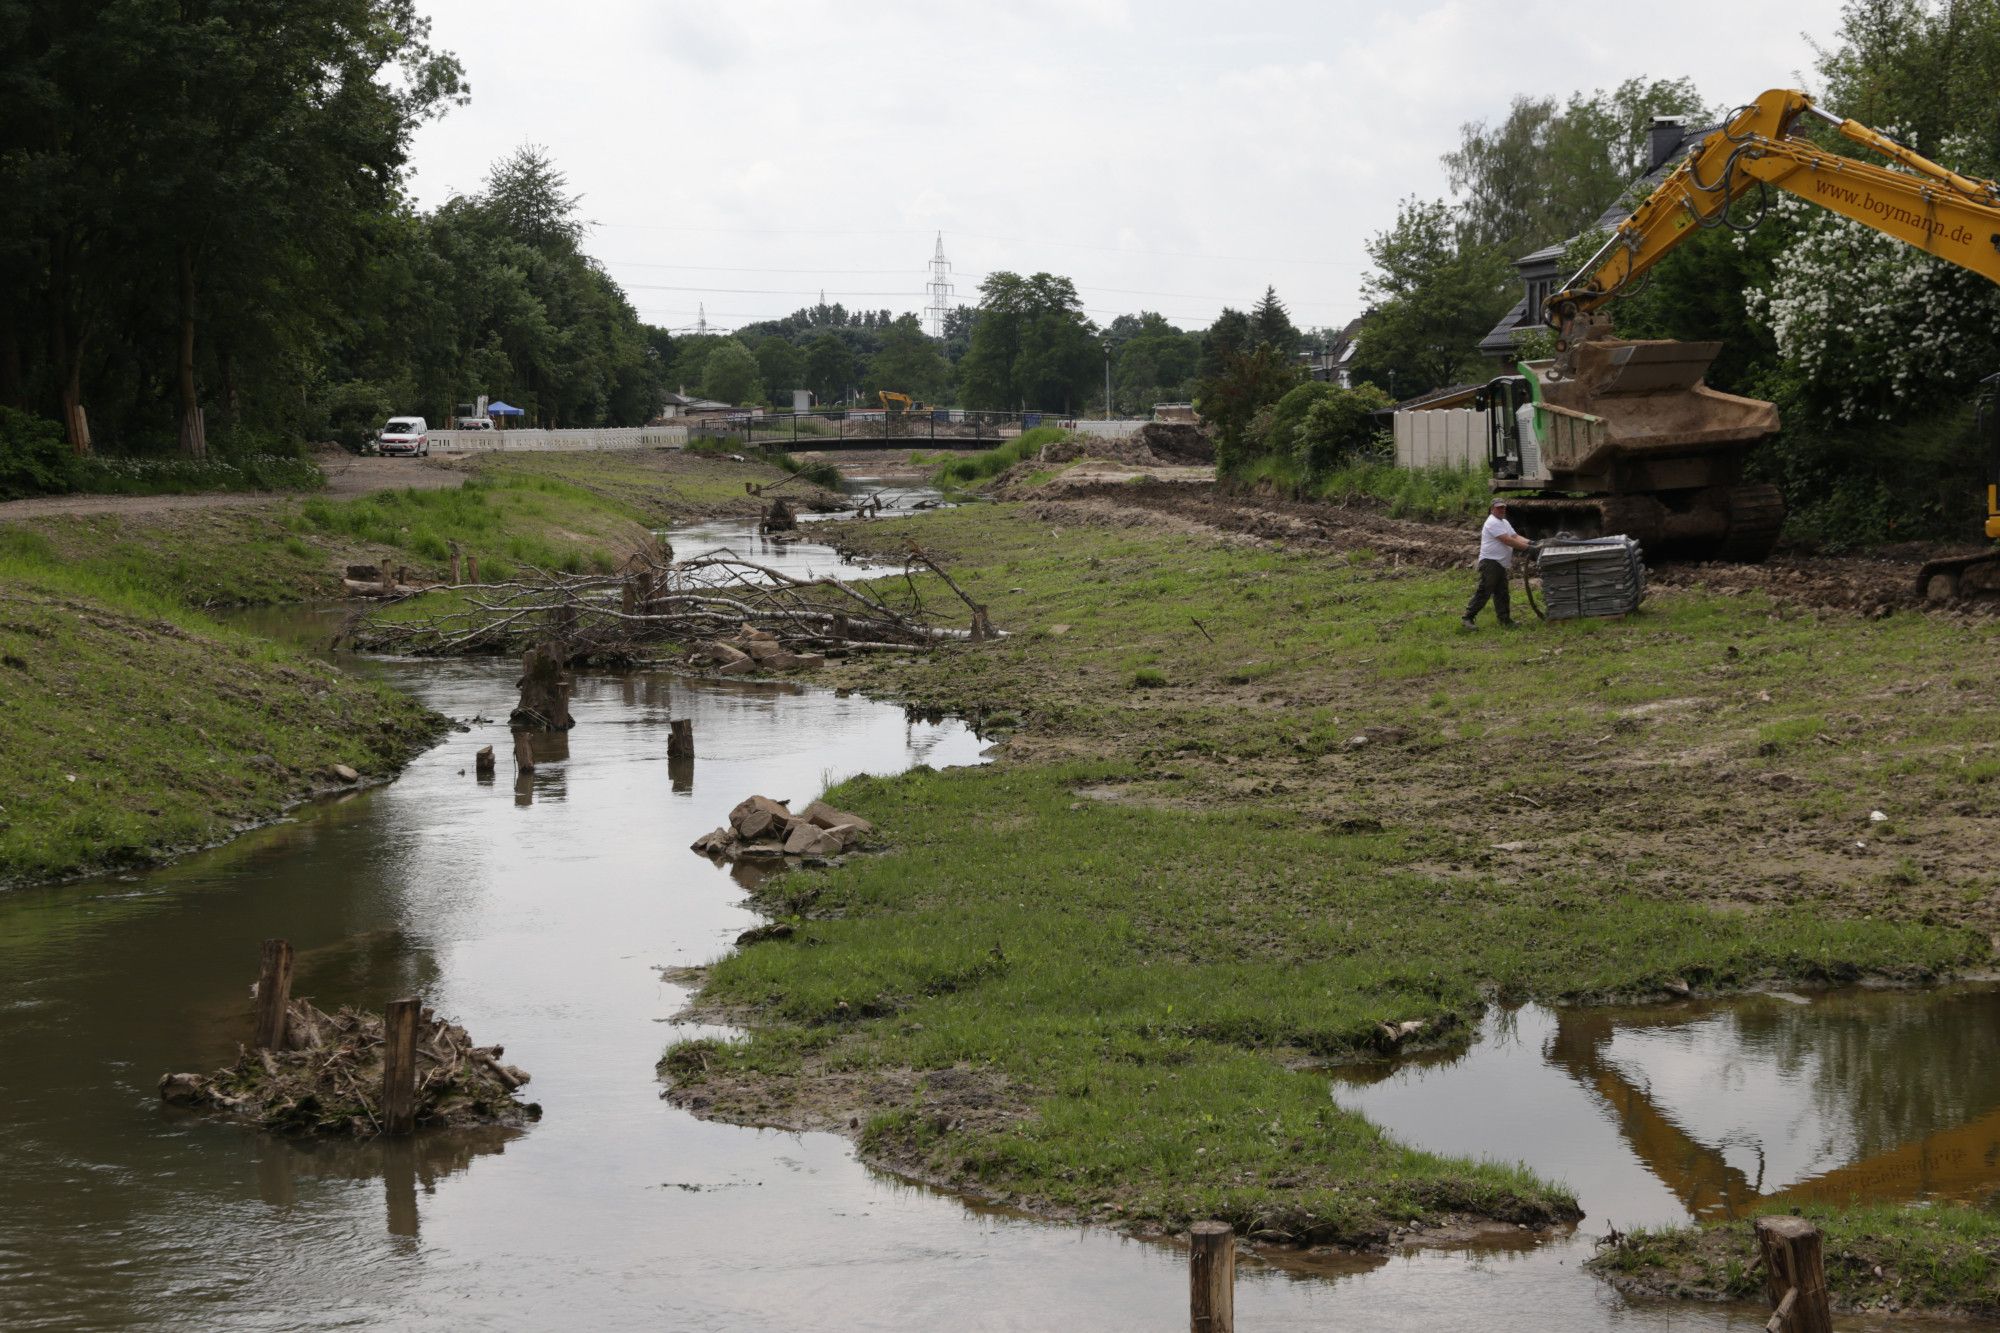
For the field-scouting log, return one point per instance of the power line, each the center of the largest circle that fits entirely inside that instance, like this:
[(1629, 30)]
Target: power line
[(739, 268), (984, 236)]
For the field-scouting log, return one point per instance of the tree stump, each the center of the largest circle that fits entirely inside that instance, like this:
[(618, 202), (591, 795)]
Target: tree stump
[(1212, 1278), (524, 753), (680, 738), (399, 1067), (483, 763), (274, 994), (1793, 1263), (544, 687)]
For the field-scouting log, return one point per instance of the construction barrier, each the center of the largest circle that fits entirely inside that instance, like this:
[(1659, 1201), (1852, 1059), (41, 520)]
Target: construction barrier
[(1447, 437), (528, 439)]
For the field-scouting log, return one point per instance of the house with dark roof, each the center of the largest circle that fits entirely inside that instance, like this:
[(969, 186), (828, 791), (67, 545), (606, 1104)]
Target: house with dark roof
[(1334, 362), (1667, 140)]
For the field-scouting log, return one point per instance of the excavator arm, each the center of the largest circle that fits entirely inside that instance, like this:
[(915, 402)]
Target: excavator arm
[(1954, 217)]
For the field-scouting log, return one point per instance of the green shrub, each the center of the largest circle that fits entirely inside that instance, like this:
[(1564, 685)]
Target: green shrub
[(978, 467), (112, 474), (35, 459), (1288, 417), (1338, 426)]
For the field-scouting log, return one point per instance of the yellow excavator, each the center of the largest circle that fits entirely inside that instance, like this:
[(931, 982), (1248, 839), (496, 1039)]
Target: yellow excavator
[(1615, 435), (898, 402)]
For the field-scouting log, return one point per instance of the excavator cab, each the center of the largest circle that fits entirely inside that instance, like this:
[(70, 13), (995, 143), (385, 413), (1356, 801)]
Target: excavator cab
[(1501, 400)]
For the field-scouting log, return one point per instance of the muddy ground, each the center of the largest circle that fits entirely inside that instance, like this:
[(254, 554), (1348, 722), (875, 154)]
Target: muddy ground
[(1876, 584)]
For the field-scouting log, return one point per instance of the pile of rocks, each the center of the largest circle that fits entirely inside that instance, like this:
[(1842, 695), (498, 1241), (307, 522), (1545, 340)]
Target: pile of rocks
[(751, 649), (762, 827)]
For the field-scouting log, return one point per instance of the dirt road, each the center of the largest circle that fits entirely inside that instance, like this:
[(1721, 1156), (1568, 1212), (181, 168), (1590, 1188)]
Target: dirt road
[(346, 477)]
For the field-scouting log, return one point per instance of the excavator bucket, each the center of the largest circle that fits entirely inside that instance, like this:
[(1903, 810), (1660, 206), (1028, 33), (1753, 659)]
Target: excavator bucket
[(1608, 368), (1651, 412)]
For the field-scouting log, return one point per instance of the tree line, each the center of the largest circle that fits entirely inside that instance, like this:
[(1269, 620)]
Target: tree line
[(205, 239)]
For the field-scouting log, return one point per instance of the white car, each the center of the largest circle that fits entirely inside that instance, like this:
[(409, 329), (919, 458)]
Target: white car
[(404, 435), (474, 423)]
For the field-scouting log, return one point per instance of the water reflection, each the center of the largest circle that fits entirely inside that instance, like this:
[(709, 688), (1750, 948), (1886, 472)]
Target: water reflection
[(408, 1167), (1720, 1108)]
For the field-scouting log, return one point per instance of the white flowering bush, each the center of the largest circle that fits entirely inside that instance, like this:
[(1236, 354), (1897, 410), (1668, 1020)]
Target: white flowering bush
[(1872, 329)]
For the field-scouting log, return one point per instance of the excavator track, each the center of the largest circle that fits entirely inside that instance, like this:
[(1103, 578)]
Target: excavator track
[(1957, 576), (1739, 524), (1756, 517)]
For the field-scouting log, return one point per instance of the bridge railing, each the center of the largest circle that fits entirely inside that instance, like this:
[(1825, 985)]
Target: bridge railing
[(855, 428)]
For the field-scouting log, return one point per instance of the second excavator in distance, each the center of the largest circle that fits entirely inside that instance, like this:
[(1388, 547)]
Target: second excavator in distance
[(1613, 435)]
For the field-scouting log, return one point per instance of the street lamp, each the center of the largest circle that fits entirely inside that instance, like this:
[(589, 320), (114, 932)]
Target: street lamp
[(1107, 379)]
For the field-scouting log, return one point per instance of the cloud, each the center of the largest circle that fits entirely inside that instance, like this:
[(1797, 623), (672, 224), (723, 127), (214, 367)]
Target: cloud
[(1175, 147)]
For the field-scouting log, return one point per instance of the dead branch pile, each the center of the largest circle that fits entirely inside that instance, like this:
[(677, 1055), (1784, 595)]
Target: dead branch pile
[(328, 1079), (654, 599)]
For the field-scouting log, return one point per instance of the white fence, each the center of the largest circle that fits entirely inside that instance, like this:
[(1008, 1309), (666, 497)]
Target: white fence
[(530, 439), (1109, 430), (1447, 437)]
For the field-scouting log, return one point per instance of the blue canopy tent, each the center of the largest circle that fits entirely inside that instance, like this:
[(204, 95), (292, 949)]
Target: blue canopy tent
[(503, 410)]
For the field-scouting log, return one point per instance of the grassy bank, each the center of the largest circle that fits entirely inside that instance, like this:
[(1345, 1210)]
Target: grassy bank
[(1886, 1257), (1444, 494), (1258, 803), (552, 511), (969, 471), (135, 729)]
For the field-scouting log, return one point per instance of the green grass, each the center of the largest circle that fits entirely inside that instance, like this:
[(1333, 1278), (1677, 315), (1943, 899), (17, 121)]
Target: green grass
[(984, 466), (510, 522), (110, 474), (134, 728), (1285, 836), (1445, 494), (823, 475), (1890, 1256), (1150, 979), (551, 511)]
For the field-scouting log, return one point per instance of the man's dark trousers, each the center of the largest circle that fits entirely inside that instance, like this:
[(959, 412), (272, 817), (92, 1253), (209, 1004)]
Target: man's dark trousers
[(1492, 583)]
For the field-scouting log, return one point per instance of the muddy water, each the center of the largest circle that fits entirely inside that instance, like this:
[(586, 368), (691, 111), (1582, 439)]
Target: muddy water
[(1668, 1114), (541, 915)]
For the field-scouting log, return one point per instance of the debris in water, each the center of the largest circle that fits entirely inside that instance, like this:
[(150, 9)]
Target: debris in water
[(762, 827), (328, 1078)]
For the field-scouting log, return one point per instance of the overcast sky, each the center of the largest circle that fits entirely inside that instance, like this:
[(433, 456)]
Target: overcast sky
[(1166, 156)]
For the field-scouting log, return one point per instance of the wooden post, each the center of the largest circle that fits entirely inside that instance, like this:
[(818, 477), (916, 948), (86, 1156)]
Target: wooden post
[(471, 567), (399, 1067), (524, 752), (483, 763), (680, 738), (1795, 1268), (274, 994), (1212, 1277)]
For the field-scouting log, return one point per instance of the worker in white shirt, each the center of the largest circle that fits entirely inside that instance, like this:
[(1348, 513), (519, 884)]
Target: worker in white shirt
[(1497, 543)]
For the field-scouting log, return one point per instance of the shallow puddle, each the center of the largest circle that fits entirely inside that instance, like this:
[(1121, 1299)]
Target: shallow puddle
[(1718, 1109)]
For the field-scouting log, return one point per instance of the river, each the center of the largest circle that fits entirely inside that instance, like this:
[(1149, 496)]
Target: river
[(543, 916)]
